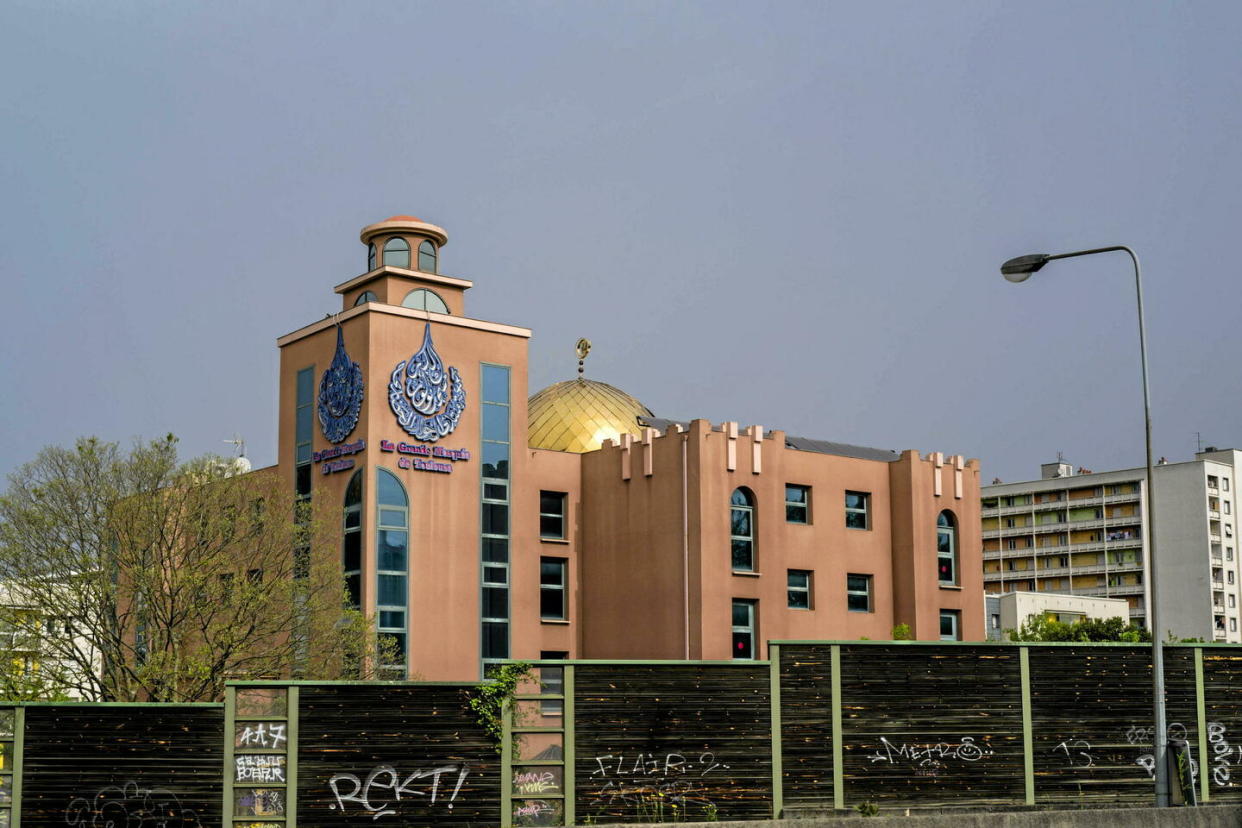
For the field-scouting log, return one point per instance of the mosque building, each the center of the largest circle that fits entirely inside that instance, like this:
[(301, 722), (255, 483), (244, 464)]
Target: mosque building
[(480, 525)]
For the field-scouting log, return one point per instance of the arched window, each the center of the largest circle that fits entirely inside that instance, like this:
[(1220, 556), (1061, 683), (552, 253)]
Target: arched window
[(370, 257), (427, 257), (397, 253), (946, 547), (392, 538), (351, 553), (367, 296), (424, 300), (742, 529)]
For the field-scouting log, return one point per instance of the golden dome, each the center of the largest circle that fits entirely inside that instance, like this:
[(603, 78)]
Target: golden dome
[(579, 415)]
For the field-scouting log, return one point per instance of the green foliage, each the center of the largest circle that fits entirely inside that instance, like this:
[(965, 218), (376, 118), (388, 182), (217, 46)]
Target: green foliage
[(1040, 627), (901, 632), (868, 809), (489, 700), (151, 579)]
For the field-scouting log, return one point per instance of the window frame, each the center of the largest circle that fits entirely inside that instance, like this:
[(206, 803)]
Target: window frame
[(390, 247), (364, 297), (434, 255), (807, 589), (385, 523), (948, 528), (372, 257), (749, 508), (864, 510), (955, 616), (795, 506), (423, 293), (750, 629), (867, 592), (561, 515), (561, 588)]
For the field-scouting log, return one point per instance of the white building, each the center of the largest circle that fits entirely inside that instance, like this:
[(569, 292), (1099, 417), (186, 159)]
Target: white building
[(1013, 609), (1085, 533)]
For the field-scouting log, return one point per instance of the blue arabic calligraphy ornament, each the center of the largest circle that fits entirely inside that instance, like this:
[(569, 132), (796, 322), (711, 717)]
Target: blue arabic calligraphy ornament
[(340, 394), (420, 388)]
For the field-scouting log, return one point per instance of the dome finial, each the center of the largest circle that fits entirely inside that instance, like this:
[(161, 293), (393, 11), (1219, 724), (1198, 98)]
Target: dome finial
[(583, 347)]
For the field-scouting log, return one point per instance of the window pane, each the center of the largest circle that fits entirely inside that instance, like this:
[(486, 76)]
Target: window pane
[(352, 557), (552, 503), (495, 602), (741, 614), (392, 517), (795, 494), (948, 626), (551, 526), (259, 802), (741, 522), (799, 579), (495, 491), (858, 603), (397, 253), (261, 701), (795, 513), (856, 520), (259, 767), (799, 599), (496, 550), (495, 519), (552, 572), (552, 603), (391, 549), (740, 498), (391, 590), (395, 644), (742, 645), (496, 460), (495, 575), (390, 491), (353, 589), (944, 541), (306, 386), (742, 558), (856, 583), (495, 383), (495, 639), (389, 619), (496, 422)]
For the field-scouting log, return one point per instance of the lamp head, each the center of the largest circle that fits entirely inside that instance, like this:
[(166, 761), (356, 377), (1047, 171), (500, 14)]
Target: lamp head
[(1021, 268)]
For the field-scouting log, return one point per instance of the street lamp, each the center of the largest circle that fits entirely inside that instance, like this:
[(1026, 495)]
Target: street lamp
[(1019, 270)]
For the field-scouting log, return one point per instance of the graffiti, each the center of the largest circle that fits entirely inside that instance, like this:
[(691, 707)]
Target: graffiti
[(261, 735), (260, 768), (131, 806), (384, 788), (535, 783), (651, 782), (533, 808), (261, 802), (1224, 755), (929, 759), (1077, 753)]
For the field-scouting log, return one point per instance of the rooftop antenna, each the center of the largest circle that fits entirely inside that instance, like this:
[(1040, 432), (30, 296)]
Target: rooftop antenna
[(1198, 442), (239, 444), (583, 347)]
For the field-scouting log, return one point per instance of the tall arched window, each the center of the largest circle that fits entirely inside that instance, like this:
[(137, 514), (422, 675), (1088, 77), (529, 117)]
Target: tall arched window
[(370, 257), (424, 300), (946, 547), (392, 538), (427, 257), (397, 253), (351, 552), (742, 529)]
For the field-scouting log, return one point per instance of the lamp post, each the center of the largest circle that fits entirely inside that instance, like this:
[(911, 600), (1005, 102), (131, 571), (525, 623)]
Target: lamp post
[(1019, 270)]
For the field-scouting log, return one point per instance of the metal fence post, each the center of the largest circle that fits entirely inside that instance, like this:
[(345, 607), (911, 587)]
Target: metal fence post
[(1201, 719), (838, 751), (567, 745), (1028, 741), (19, 748), (506, 764), (291, 755), (774, 697)]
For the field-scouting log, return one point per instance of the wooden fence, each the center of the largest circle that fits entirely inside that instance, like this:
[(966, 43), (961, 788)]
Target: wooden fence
[(821, 726)]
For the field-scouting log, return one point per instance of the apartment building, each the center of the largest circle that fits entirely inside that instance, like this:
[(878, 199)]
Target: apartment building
[(1086, 533)]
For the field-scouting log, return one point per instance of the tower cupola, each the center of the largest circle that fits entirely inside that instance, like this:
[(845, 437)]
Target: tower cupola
[(403, 268)]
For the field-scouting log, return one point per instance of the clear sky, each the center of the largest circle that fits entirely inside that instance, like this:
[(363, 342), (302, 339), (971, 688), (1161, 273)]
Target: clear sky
[(781, 213)]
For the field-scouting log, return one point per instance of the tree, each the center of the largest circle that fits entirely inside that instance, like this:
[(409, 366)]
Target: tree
[(160, 581), (1042, 627)]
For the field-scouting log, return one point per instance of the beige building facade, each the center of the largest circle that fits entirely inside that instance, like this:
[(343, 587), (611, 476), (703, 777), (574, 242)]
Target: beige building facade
[(478, 525)]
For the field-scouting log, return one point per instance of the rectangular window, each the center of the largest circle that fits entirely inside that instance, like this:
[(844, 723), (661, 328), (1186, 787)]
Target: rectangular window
[(1233, 601), (1228, 509), (1224, 483), (1229, 576), (553, 680), (494, 513), (856, 510), (950, 625), (552, 588), (1233, 625), (797, 503), (858, 593), (1229, 553), (799, 589), (552, 515), (995, 621), (303, 420), (744, 628)]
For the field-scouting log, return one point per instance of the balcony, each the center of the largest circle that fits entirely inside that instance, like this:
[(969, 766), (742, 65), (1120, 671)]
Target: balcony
[(1218, 584)]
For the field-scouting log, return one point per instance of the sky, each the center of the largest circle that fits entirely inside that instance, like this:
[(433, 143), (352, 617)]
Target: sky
[(783, 213)]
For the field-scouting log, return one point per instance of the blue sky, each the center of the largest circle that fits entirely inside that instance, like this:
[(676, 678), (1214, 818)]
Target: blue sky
[(789, 214)]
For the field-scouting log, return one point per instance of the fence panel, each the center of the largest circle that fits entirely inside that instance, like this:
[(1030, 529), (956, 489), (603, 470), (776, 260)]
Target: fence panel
[(673, 742), (1222, 680), (1092, 709), (406, 755), (806, 724), (926, 726), (89, 765)]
